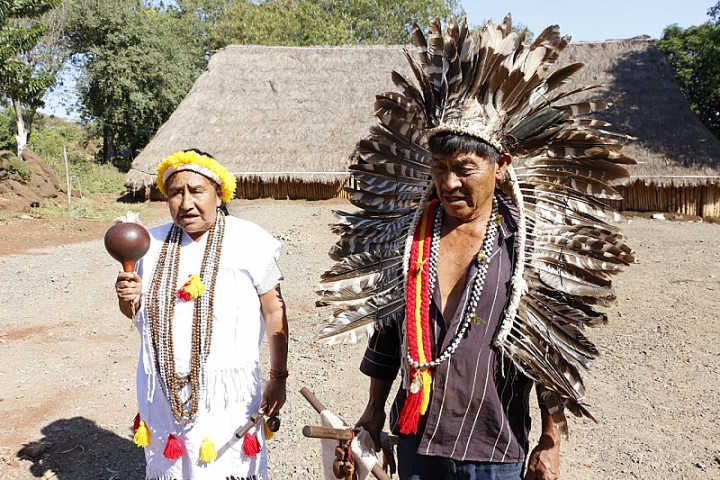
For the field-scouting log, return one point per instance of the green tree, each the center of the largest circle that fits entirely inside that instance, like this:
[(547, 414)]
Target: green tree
[(714, 13), (694, 56), (23, 81), (314, 22), (137, 64)]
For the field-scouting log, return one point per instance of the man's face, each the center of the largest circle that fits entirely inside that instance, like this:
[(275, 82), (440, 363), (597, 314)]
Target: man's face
[(193, 202), (465, 182)]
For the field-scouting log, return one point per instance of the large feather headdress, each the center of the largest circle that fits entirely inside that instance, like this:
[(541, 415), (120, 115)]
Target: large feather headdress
[(492, 86)]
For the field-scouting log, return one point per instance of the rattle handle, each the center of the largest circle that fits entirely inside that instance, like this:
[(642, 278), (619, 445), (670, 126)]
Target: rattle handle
[(128, 265)]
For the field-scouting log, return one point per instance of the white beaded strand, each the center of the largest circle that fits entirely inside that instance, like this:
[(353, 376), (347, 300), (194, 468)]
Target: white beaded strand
[(163, 294), (477, 288)]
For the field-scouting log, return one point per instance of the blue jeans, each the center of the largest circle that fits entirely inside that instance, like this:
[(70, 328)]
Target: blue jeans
[(414, 466)]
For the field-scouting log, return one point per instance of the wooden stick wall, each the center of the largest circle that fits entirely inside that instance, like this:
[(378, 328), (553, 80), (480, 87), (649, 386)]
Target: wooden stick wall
[(700, 200), (256, 188)]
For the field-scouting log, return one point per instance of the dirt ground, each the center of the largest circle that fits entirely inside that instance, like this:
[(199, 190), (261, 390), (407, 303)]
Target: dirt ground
[(68, 356)]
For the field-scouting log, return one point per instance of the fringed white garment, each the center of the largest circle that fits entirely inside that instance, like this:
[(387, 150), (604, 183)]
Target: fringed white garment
[(247, 269)]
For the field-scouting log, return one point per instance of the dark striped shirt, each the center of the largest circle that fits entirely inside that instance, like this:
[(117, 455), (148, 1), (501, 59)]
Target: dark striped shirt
[(479, 405)]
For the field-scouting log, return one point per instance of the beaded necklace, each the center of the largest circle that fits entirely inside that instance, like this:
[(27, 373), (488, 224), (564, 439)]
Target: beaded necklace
[(422, 273), (161, 302)]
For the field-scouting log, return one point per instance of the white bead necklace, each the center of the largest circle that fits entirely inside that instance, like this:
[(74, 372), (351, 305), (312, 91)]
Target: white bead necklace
[(477, 288)]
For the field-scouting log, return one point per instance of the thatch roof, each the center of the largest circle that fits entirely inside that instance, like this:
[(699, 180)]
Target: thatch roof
[(286, 112), (279, 112), (673, 146)]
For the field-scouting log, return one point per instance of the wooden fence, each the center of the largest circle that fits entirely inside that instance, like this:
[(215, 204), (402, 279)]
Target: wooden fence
[(700, 200)]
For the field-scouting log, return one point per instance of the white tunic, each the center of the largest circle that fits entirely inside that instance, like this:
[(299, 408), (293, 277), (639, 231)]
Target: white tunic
[(248, 268)]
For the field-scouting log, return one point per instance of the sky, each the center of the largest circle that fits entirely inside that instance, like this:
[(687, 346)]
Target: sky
[(583, 20), (593, 20)]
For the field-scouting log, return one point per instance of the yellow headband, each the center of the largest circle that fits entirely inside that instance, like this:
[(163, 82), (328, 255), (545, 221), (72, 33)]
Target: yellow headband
[(202, 164)]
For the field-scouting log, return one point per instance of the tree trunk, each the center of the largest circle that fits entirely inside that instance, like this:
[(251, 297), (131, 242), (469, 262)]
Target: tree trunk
[(22, 132), (108, 143)]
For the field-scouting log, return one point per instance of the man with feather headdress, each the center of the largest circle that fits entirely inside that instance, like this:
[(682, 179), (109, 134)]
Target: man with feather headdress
[(476, 417), (476, 294)]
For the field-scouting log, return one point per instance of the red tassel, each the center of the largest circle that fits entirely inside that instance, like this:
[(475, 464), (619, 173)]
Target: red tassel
[(251, 445), (410, 415), (173, 450), (136, 423), (184, 294)]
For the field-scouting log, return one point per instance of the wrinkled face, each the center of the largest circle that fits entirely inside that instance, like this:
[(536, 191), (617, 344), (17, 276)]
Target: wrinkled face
[(193, 200), (465, 183)]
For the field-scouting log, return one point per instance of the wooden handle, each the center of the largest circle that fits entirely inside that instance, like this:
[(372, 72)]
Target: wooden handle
[(312, 399), (327, 432), (341, 434), (254, 420), (380, 473), (128, 265)]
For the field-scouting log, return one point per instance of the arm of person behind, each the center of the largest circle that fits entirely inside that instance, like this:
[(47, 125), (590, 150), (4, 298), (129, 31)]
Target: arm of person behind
[(128, 288), (272, 307), (544, 460)]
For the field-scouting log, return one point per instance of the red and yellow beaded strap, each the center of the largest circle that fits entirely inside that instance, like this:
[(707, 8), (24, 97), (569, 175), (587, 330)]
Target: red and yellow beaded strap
[(417, 321)]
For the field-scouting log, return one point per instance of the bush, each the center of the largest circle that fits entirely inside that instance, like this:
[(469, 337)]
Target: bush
[(48, 139), (7, 129), (15, 167)]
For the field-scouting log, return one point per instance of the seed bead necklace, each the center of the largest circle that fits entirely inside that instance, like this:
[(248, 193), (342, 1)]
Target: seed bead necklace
[(477, 288), (161, 301)]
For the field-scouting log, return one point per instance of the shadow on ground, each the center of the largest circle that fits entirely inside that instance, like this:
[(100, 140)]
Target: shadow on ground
[(77, 449)]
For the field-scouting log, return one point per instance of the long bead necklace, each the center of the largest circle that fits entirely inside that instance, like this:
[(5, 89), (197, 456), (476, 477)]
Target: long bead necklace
[(482, 260), (161, 300)]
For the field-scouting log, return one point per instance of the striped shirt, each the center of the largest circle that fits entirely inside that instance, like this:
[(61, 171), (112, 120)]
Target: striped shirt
[(479, 407)]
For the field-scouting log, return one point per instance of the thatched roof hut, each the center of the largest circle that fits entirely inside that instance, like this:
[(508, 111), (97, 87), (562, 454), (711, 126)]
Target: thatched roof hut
[(285, 119), (678, 158)]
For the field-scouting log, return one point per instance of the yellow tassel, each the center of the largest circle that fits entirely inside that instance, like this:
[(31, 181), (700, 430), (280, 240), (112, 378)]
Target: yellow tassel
[(207, 451), (142, 436), (194, 286), (426, 387), (268, 433)]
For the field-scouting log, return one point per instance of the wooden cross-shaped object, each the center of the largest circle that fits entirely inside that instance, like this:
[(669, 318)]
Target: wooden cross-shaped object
[(344, 435)]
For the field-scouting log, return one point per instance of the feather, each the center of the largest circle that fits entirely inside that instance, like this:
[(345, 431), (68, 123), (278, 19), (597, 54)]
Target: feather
[(587, 185), (599, 169), (425, 87), (363, 263), (537, 123), (571, 280), (408, 90), (389, 149), (570, 93), (570, 312), (560, 77), (397, 203), (352, 323), (583, 108), (388, 178), (358, 287), (400, 115), (554, 405), (434, 65)]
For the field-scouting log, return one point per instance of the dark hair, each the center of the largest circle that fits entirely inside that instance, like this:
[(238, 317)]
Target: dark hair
[(448, 143)]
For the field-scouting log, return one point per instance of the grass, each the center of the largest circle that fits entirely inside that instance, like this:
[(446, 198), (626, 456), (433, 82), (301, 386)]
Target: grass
[(94, 206), (91, 177)]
